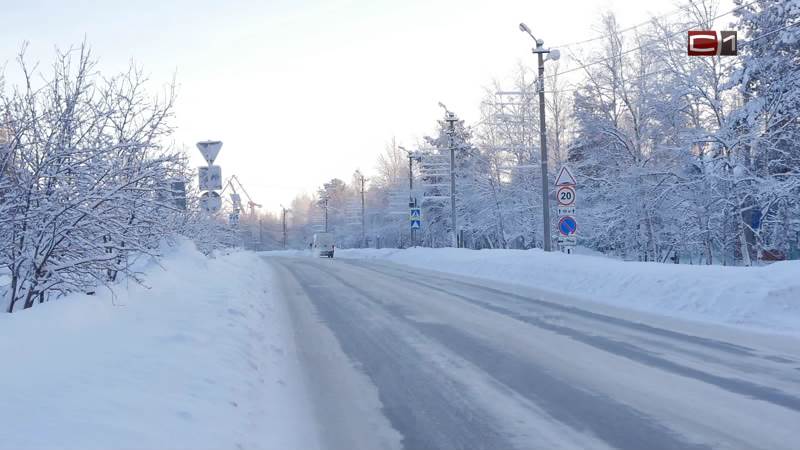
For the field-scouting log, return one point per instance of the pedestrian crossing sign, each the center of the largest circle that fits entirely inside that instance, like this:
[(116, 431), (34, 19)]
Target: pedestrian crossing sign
[(416, 218)]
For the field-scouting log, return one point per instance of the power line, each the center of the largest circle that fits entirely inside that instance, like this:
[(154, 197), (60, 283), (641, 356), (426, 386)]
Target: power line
[(648, 44), (624, 30), (639, 25), (638, 77), (771, 32), (655, 72)]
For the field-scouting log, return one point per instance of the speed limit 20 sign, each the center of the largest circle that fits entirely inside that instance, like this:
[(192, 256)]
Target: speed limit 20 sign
[(566, 195)]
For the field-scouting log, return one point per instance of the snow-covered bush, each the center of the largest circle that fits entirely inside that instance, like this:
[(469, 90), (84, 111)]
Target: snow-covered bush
[(83, 177)]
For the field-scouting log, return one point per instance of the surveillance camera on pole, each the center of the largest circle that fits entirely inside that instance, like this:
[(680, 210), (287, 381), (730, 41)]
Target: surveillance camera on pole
[(552, 55)]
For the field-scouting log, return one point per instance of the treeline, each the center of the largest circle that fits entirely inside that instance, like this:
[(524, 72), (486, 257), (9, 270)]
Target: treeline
[(678, 158)]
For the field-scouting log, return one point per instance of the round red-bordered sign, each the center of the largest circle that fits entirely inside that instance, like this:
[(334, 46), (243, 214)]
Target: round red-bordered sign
[(566, 195)]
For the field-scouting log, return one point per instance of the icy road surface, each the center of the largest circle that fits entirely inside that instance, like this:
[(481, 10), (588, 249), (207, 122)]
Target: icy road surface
[(400, 358)]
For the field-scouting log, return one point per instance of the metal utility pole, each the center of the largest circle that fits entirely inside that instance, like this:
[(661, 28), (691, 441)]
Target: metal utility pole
[(451, 120), (363, 213), (325, 205), (412, 200), (261, 233), (283, 223), (453, 181), (543, 145), (362, 180), (553, 55)]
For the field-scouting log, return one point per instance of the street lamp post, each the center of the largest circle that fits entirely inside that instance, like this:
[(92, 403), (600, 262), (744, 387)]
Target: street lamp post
[(553, 55)]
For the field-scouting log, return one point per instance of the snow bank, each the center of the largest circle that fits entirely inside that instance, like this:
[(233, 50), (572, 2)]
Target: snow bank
[(203, 359), (765, 298)]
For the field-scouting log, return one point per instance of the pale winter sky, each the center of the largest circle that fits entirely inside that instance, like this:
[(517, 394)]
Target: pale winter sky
[(304, 91)]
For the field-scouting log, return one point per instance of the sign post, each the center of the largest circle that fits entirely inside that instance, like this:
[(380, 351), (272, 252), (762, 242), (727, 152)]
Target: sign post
[(566, 194), (209, 178)]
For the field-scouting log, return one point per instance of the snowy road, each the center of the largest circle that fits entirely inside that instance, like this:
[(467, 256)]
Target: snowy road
[(446, 362)]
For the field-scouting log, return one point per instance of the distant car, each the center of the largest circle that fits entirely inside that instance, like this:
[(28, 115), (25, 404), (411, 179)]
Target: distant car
[(323, 244)]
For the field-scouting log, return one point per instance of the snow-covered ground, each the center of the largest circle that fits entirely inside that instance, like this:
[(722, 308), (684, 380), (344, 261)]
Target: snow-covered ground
[(203, 359), (761, 298)]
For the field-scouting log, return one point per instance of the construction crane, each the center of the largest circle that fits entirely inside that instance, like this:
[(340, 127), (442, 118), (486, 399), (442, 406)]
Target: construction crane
[(237, 203)]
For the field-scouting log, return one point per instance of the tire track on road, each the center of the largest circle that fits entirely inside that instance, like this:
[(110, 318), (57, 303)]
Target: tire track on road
[(618, 424), (619, 348)]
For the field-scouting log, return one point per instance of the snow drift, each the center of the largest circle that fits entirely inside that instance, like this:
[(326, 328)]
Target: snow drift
[(202, 359), (765, 298)]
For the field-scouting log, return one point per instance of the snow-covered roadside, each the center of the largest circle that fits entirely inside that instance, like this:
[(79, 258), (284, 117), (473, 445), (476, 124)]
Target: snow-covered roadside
[(204, 360), (760, 298)]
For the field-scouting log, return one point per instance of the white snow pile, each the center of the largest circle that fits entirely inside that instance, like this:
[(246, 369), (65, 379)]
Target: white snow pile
[(202, 360), (765, 298)]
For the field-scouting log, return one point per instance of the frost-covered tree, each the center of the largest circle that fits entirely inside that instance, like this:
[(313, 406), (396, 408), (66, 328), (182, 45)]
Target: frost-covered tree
[(767, 124), (625, 149), (85, 177)]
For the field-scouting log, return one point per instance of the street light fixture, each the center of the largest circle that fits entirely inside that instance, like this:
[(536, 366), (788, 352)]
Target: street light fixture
[(524, 28), (552, 55)]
